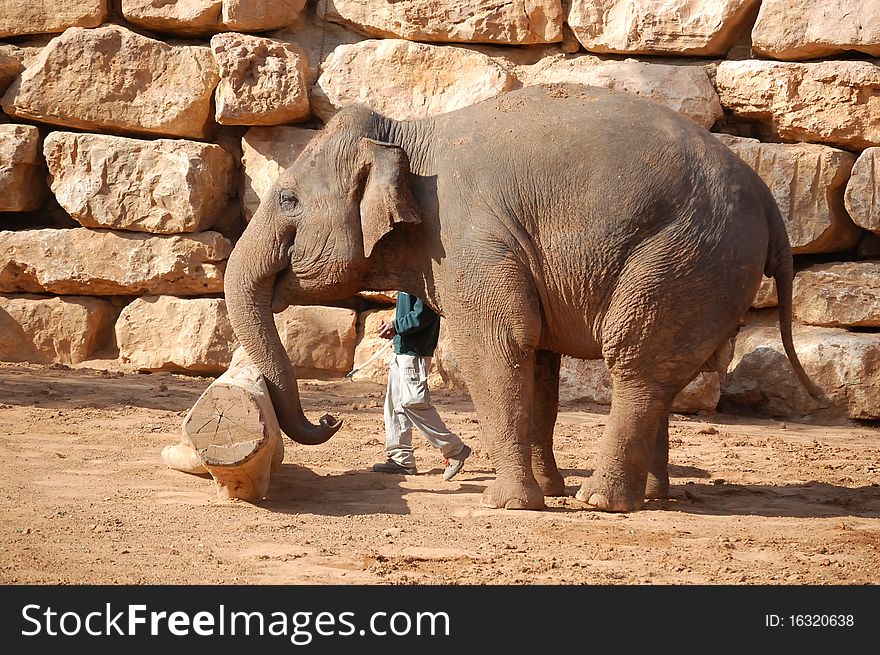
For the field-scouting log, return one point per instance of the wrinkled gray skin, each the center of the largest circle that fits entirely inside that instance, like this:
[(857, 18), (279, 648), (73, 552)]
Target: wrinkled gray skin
[(547, 221)]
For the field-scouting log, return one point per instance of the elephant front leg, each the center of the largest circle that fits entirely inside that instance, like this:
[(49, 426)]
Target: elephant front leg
[(545, 408), (501, 387), (657, 487), (627, 448), (507, 426)]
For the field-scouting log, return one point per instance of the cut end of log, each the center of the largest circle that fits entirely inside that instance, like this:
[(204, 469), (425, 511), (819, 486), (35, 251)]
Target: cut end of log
[(234, 431)]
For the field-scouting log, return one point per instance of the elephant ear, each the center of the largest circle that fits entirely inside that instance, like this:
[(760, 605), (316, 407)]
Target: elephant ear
[(386, 198)]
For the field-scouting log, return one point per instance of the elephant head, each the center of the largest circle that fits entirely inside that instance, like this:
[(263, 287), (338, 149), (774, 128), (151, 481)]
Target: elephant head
[(318, 226)]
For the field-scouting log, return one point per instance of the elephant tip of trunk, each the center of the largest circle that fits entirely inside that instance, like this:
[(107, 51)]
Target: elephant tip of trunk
[(330, 424), (313, 435)]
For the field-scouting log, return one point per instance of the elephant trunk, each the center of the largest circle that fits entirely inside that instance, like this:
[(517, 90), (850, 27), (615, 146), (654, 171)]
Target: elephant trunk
[(249, 280)]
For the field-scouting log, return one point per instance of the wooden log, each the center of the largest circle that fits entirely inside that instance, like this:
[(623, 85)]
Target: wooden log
[(233, 429)]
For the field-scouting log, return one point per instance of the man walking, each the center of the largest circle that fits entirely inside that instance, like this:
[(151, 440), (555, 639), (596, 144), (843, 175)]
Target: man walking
[(415, 330)]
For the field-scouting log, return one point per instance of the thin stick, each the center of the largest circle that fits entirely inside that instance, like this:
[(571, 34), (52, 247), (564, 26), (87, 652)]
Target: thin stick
[(381, 350)]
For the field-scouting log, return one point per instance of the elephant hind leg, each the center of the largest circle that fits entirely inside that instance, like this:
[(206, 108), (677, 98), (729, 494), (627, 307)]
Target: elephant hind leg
[(627, 447), (545, 408)]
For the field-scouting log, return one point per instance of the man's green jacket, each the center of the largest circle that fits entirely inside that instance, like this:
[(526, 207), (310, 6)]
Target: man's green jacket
[(417, 327)]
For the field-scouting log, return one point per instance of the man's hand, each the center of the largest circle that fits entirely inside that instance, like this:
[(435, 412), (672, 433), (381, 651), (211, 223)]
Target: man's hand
[(386, 330)]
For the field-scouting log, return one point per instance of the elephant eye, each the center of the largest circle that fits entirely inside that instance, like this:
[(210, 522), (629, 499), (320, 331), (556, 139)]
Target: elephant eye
[(288, 200)]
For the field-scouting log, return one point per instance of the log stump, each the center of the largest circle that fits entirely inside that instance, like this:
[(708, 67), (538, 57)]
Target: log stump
[(233, 429)]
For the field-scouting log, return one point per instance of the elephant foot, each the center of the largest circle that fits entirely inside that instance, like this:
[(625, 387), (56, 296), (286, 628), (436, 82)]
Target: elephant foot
[(506, 494), (610, 497), (657, 487), (551, 485)]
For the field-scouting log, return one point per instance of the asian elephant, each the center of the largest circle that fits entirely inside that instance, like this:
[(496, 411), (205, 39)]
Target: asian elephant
[(549, 220)]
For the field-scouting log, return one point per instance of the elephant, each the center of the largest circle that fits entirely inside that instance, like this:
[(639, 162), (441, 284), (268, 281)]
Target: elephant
[(550, 220)]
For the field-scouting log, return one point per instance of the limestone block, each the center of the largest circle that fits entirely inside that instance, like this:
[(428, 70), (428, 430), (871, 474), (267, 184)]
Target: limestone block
[(102, 262), (22, 172), (165, 186), (369, 343), (260, 15), (862, 197), (21, 17), (112, 79), (680, 27), (203, 17), (9, 69), (842, 363), (588, 380), (318, 339), (405, 80), (189, 17), (807, 29), (833, 102), (808, 183), (266, 151), (845, 294), (520, 22), (766, 296), (66, 330), (686, 89), (262, 81), (167, 333)]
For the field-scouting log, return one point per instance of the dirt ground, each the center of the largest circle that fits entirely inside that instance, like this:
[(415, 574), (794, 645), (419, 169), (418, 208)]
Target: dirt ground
[(86, 499)]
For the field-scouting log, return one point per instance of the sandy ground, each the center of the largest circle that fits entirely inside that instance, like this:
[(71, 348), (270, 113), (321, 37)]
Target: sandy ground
[(85, 498)]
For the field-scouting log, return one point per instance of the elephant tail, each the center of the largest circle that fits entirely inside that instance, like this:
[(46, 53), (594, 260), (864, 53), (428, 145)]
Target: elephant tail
[(780, 266)]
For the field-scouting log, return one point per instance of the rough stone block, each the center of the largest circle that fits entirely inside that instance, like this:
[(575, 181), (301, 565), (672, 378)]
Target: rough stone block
[(66, 330), (862, 197), (369, 343), (318, 339), (23, 17), (166, 186), (405, 80), (262, 81), (845, 294), (9, 69), (22, 171), (115, 80), (678, 27), (101, 262), (520, 22), (809, 29), (203, 17), (842, 363), (832, 102), (166, 333)]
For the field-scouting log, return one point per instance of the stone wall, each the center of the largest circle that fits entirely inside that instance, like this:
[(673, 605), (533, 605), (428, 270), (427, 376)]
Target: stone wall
[(136, 139)]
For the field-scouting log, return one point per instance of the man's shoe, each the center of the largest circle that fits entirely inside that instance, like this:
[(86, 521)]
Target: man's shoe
[(455, 464), (391, 466)]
